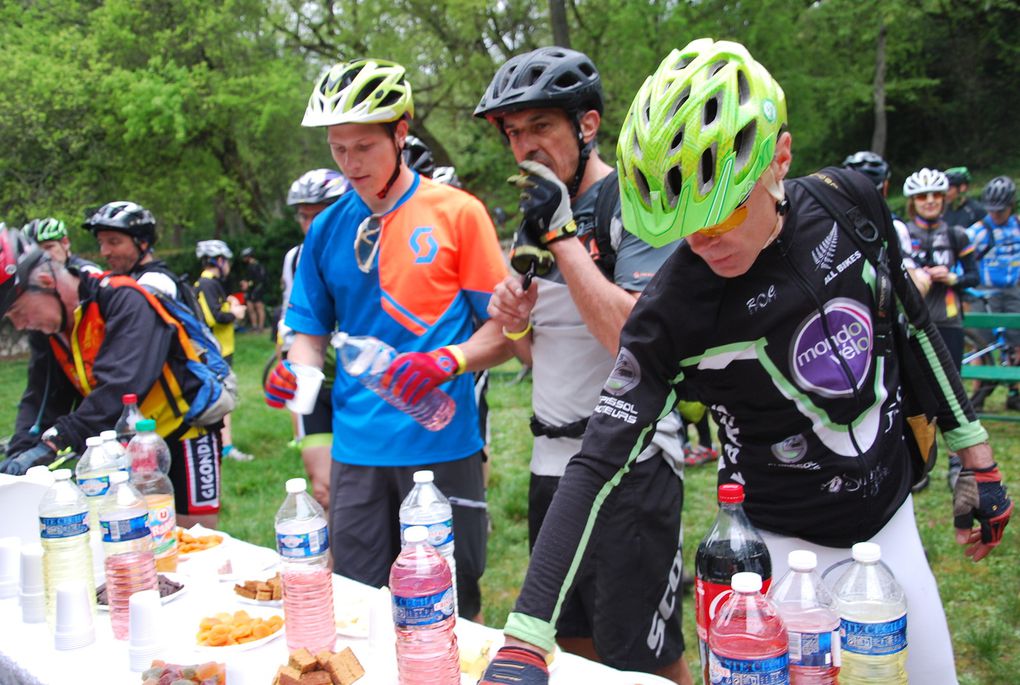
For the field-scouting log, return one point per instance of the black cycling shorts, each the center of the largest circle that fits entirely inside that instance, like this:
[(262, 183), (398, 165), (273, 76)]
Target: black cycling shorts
[(365, 522), (195, 473), (626, 596)]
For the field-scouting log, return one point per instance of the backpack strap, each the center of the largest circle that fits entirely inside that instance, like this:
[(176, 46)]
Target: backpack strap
[(605, 211), (167, 317)]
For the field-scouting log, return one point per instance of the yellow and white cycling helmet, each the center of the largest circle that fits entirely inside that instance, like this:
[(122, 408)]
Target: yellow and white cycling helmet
[(365, 91)]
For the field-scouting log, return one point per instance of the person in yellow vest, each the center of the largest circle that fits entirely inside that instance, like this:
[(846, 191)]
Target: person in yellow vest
[(221, 314), (94, 326)]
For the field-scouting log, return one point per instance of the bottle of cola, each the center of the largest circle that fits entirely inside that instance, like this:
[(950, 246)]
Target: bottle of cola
[(731, 546)]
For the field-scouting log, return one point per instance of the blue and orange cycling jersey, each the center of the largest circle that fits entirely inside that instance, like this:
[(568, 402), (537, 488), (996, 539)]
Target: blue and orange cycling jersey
[(429, 285)]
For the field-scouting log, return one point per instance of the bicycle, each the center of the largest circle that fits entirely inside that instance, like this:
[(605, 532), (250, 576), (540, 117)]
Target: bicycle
[(985, 347)]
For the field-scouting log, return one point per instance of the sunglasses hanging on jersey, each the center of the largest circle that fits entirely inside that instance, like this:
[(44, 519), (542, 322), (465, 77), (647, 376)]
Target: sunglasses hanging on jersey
[(366, 242)]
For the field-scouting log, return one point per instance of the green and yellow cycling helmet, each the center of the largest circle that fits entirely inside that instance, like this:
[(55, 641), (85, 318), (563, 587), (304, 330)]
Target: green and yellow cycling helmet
[(365, 91), (41, 230), (698, 135)]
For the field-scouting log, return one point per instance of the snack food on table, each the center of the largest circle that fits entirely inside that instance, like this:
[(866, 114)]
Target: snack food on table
[(189, 544), (162, 673), (474, 661), (225, 629), (167, 587), (325, 668), (261, 590)]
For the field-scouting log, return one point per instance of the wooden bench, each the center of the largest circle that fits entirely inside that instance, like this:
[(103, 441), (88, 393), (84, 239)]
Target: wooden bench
[(987, 372)]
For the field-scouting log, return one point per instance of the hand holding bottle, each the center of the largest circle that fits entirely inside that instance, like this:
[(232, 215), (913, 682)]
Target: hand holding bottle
[(413, 374)]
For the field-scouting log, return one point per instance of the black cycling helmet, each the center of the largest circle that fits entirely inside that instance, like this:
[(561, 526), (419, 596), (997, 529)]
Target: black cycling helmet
[(18, 258), (552, 77), (999, 194), (546, 77), (124, 217), (871, 165), (418, 156), (957, 175)]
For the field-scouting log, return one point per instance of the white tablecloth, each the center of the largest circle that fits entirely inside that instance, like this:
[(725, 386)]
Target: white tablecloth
[(29, 647)]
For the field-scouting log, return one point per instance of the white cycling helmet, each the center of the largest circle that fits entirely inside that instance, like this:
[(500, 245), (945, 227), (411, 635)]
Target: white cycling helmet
[(446, 175), (925, 181), (365, 91), (211, 249)]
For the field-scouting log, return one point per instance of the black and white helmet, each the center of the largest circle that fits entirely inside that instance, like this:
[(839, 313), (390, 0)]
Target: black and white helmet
[(870, 164), (925, 181), (124, 217), (211, 249), (418, 156), (447, 175), (318, 187), (999, 194), (546, 77)]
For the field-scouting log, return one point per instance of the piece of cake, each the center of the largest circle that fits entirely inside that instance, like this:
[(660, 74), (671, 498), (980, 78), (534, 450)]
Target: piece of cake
[(316, 678), (244, 592), (344, 668), (289, 676), (303, 661)]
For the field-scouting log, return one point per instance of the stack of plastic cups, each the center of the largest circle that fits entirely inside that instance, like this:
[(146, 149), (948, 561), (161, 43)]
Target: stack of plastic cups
[(10, 548), (33, 589), (145, 641), (74, 627)]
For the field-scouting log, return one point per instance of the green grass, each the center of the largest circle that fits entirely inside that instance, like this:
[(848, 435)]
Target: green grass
[(982, 600)]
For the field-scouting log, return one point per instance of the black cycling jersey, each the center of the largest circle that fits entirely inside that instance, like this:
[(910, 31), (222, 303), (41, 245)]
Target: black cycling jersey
[(785, 356), (944, 245), (965, 214)]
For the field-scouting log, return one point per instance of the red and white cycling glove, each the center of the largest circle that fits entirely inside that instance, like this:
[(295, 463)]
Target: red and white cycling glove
[(979, 494), (413, 374)]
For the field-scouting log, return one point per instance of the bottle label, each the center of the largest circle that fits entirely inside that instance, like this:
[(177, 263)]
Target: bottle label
[(709, 598), (815, 649), (413, 612), (95, 486), (123, 530), (162, 522), (302, 545), (63, 526), (440, 534), (724, 670), (874, 639)]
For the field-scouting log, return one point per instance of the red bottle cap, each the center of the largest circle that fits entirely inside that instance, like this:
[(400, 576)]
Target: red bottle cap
[(130, 398), (731, 493)]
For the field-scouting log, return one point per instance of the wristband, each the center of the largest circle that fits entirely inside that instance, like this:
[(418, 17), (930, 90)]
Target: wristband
[(518, 335), (458, 354), (565, 231)]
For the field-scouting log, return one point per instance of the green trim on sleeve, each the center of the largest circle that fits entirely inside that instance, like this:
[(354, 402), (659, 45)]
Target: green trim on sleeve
[(317, 440), (540, 633), (967, 435)]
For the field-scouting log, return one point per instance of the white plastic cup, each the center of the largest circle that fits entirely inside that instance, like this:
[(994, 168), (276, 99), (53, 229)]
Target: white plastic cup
[(309, 380), (74, 627), (33, 595), (145, 639), (10, 564)]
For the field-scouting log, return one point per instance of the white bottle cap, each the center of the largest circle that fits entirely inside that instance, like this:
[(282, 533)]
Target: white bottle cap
[(745, 581), (425, 476), (866, 552), (40, 474), (118, 477), (296, 485), (108, 435), (62, 474), (416, 534), (93, 441), (802, 560)]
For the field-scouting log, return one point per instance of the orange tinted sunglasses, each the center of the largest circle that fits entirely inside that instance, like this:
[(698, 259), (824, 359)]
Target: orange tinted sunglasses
[(736, 217)]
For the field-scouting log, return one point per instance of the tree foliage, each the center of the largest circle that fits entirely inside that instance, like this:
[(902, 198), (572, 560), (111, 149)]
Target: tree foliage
[(193, 107)]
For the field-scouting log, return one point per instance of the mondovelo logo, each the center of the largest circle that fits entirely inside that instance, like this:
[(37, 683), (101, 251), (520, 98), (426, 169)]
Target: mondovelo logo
[(791, 450), (815, 354)]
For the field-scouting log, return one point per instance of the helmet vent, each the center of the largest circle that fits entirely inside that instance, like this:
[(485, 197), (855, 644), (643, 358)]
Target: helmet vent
[(711, 110), (346, 79), (706, 170), (716, 68), (642, 185), (681, 99), (678, 140), (743, 143), (683, 62), (367, 90), (674, 181), (743, 88), (638, 154), (567, 81), (533, 75)]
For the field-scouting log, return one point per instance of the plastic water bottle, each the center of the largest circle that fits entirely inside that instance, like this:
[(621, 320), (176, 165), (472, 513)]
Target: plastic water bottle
[(150, 463), (367, 358), (130, 564), (131, 415), (731, 546), (113, 446), (873, 621), (747, 638), (302, 539), (426, 506), (423, 615), (64, 534), (93, 476), (812, 621)]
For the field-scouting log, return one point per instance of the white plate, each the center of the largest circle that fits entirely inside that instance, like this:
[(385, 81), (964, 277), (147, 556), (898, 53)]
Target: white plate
[(247, 562), (175, 577), (263, 613), (215, 548), (270, 603)]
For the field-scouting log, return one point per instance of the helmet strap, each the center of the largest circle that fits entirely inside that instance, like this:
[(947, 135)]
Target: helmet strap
[(141, 253), (584, 150), (396, 167)]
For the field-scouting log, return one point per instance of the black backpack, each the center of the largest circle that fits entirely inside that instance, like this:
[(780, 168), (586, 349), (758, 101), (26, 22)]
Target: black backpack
[(607, 239)]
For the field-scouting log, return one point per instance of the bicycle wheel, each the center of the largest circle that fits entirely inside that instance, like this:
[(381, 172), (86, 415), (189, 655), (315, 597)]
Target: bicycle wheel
[(979, 349), (271, 363)]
